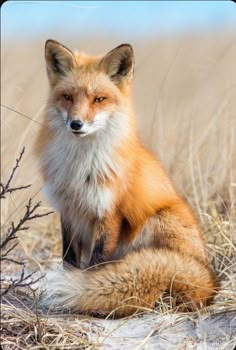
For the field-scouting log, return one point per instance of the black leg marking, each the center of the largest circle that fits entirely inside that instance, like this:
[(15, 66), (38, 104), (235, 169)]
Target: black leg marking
[(68, 254), (98, 255)]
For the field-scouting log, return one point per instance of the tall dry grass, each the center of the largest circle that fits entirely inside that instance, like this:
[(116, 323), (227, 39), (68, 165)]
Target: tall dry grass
[(184, 93)]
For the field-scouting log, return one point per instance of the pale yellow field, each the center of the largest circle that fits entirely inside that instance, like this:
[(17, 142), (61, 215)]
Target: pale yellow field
[(184, 93), (185, 98)]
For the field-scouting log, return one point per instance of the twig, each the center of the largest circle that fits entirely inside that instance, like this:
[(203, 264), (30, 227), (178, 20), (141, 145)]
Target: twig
[(22, 281), (10, 241), (6, 188), (13, 229)]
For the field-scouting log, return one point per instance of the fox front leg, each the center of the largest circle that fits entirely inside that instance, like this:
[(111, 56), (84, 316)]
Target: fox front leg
[(71, 249)]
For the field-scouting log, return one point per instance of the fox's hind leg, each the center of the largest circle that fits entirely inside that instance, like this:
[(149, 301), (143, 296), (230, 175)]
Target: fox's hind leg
[(106, 235)]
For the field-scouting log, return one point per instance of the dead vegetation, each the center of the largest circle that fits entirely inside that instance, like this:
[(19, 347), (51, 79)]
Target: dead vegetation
[(9, 240), (186, 114)]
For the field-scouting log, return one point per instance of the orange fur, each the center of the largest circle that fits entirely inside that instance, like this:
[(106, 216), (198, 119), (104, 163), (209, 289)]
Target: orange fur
[(116, 200)]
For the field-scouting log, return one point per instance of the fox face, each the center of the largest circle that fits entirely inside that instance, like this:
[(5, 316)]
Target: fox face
[(88, 94)]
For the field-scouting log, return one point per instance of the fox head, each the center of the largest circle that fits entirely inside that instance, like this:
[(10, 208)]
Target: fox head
[(88, 93)]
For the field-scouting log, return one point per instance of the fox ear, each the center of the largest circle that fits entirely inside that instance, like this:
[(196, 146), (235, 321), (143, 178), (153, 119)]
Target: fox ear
[(59, 59), (119, 63)]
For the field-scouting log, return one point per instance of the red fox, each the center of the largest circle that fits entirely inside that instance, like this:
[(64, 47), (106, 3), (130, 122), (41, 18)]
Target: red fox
[(127, 234)]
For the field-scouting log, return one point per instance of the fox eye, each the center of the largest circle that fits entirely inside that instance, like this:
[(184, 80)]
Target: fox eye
[(99, 99), (68, 97)]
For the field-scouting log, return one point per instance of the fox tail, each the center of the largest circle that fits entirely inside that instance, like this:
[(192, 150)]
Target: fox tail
[(131, 284)]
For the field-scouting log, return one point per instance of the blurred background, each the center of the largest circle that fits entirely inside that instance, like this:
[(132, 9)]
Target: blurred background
[(184, 86)]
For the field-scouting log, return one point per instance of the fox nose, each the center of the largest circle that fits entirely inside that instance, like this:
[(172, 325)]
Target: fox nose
[(76, 124)]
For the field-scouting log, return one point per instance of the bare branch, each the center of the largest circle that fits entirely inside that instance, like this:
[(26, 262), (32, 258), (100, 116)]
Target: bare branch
[(22, 281), (10, 241), (14, 169), (30, 214), (7, 188), (12, 260), (10, 190), (9, 250), (11, 234)]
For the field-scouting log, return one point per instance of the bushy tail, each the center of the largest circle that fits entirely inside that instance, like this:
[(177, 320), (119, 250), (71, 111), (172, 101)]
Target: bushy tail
[(126, 286)]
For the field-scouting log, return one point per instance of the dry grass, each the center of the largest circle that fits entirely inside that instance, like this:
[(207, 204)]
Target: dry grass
[(185, 96)]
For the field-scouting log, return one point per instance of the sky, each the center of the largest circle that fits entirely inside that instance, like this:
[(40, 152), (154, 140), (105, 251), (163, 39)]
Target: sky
[(138, 18)]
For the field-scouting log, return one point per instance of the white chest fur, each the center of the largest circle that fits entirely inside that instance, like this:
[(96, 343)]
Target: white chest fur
[(73, 169)]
